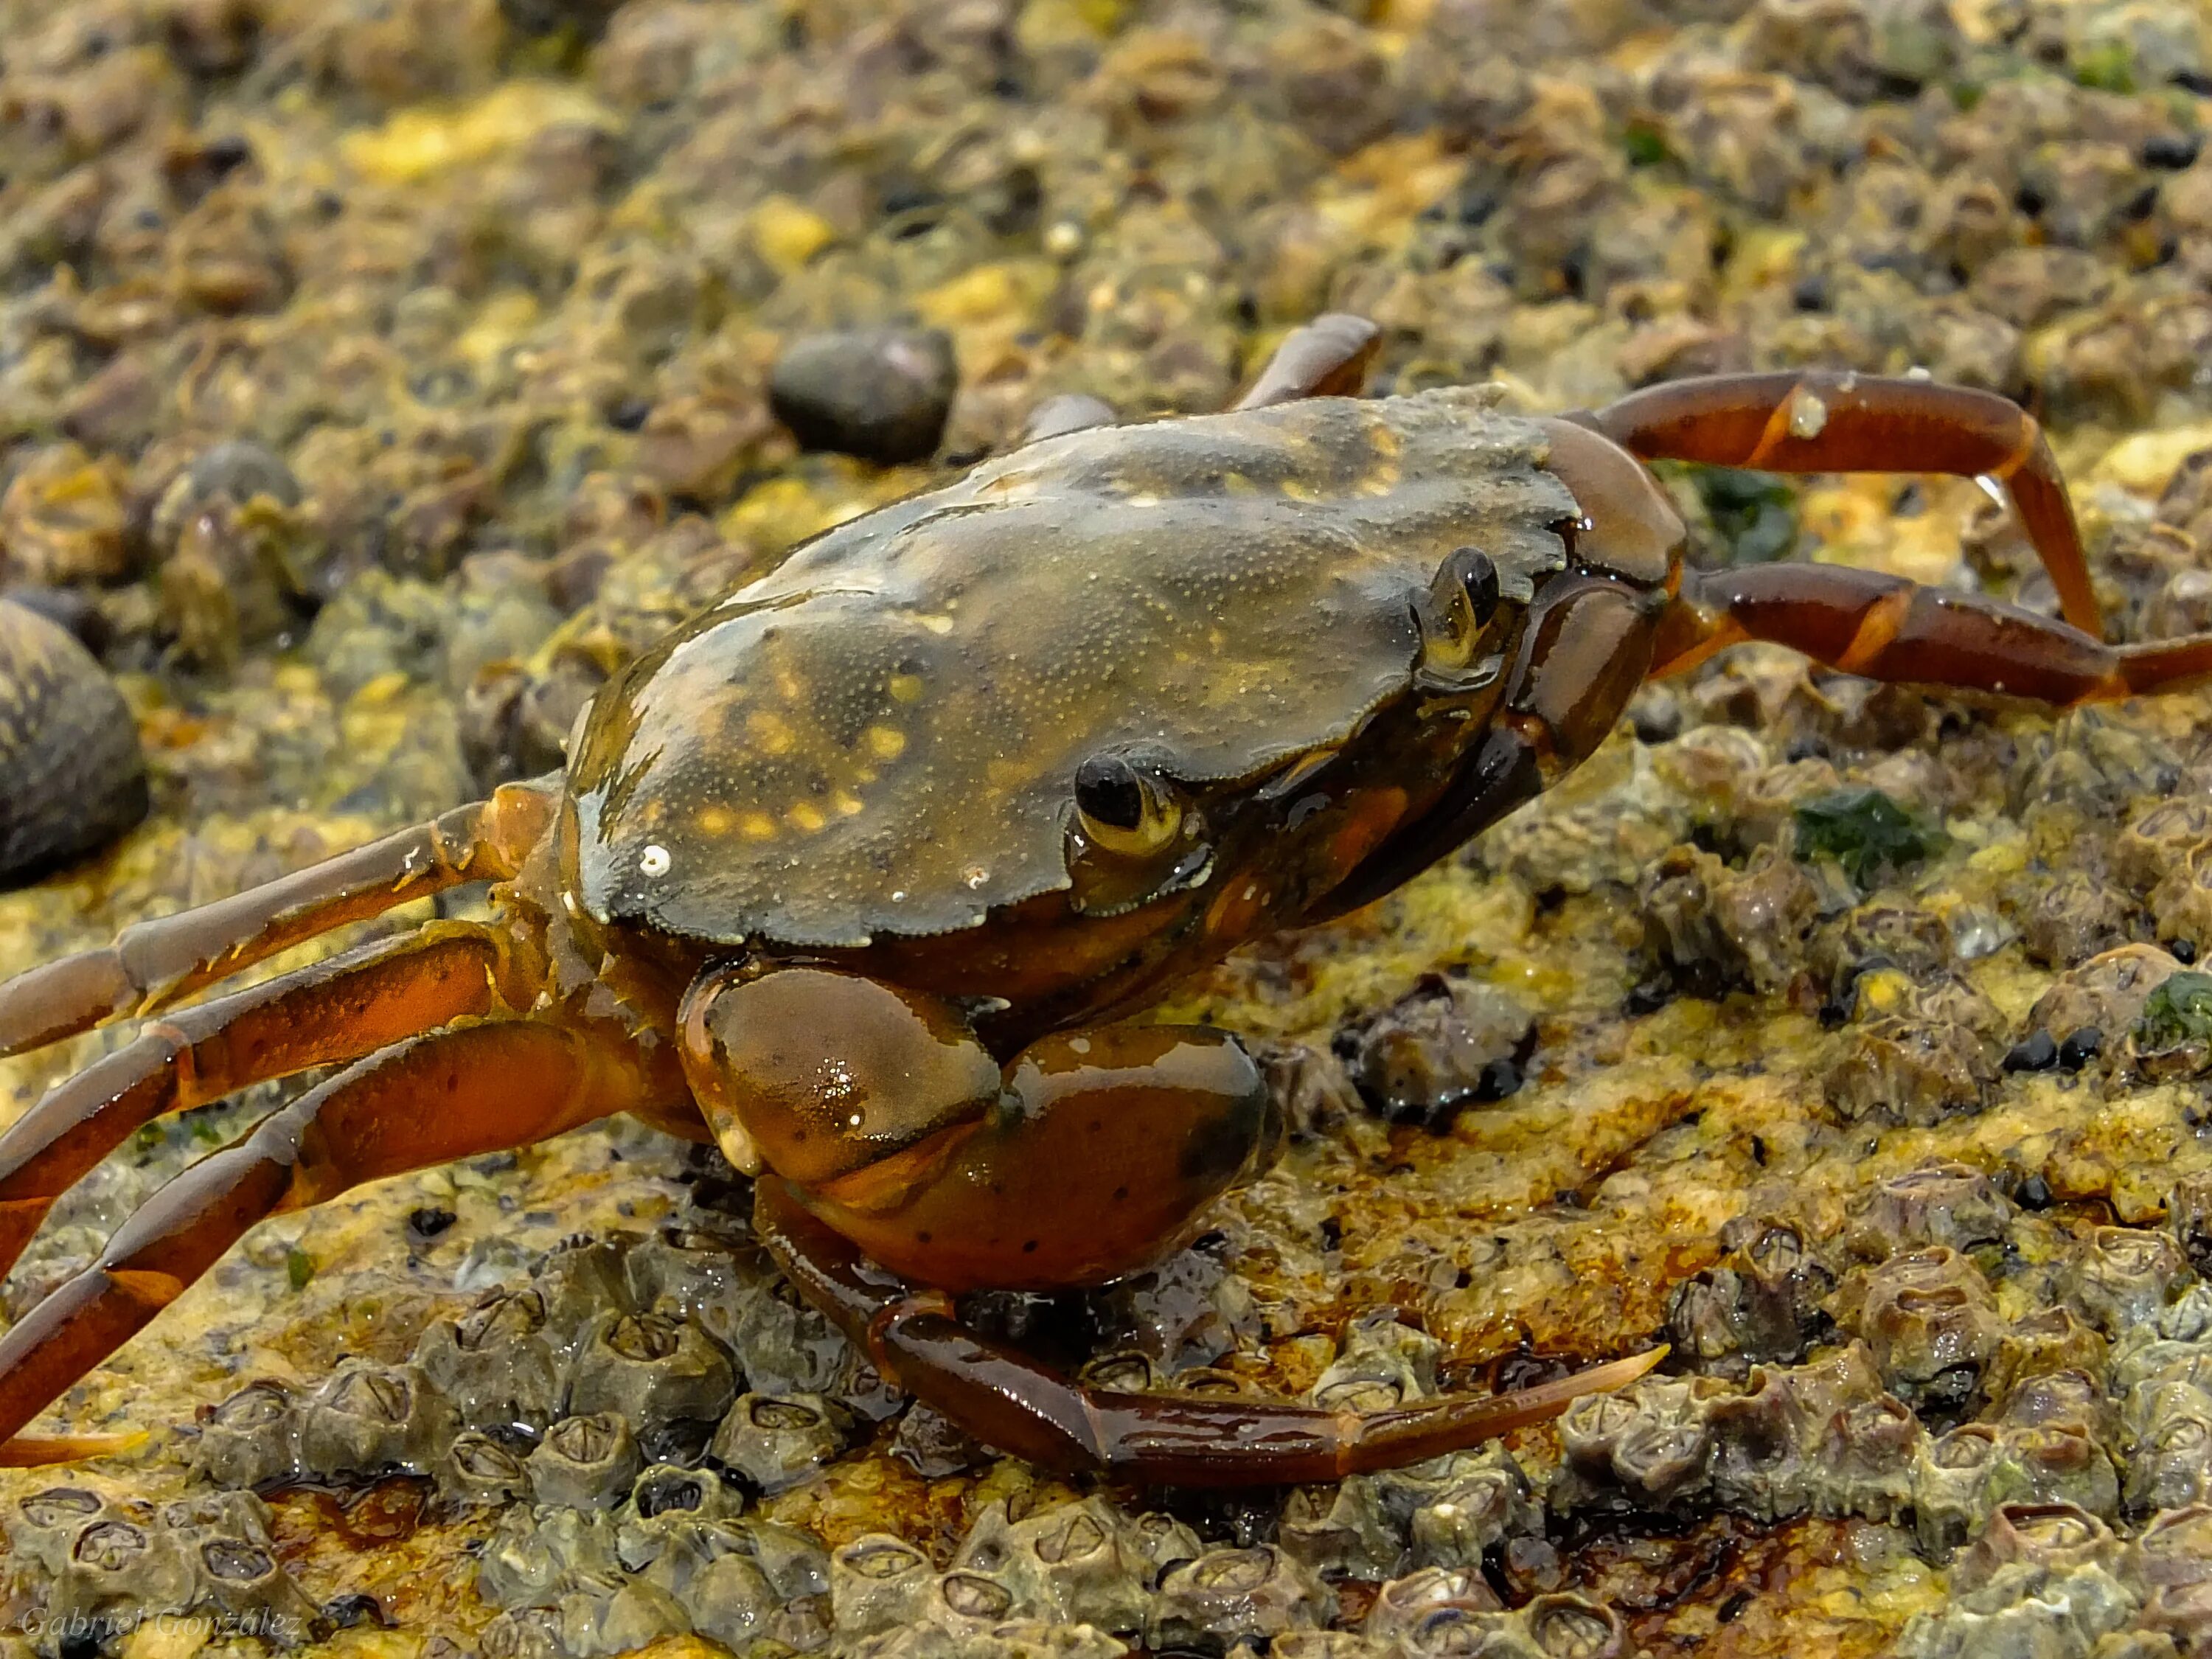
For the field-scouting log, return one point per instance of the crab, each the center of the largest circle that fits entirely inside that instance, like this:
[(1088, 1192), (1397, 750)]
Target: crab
[(863, 872)]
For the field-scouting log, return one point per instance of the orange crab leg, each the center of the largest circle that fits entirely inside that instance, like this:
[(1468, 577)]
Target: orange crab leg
[(152, 963), (471, 1089), (337, 1009), (1885, 628), (1018, 1405), (1830, 422)]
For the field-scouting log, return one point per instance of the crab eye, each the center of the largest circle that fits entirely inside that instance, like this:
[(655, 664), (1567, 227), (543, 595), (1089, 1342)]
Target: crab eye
[(1123, 809), (1460, 602)]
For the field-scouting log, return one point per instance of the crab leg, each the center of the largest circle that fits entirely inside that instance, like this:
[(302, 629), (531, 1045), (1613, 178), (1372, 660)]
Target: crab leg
[(1012, 1402), (336, 1010), (152, 963), (1885, 628), (470, 1089), (1834, 422), (1327, 358)]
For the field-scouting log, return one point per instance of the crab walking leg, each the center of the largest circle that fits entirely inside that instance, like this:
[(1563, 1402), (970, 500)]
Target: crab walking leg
[(1011, 1401), (337, 1010), (1832, 422), (1885, 628), (1327, 358), (152, 963), (467, 1089)]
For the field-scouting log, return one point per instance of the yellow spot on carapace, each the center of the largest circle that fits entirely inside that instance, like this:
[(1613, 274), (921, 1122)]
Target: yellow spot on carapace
[(935, 623), (1298, 491), (1386, 438), (1382, 480), (848, 804), (770, 731), (1236, 483), (756, 826), (713, 821), (807, 815), (906, 688), (885, 742)]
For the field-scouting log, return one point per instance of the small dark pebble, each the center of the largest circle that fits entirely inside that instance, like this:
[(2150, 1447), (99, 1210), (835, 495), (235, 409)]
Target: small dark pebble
[(2183, 951), (428, 1222), (879, 394), (2037, 1052), (629, 414), (2171, 152), (2080, 1049), (2034, 1194)]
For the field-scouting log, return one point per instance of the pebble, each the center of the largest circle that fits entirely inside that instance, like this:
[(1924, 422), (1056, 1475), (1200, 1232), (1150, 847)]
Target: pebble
[(881, 394)]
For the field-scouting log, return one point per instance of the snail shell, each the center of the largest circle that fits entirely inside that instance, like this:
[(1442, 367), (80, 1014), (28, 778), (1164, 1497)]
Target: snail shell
[(71, 775)]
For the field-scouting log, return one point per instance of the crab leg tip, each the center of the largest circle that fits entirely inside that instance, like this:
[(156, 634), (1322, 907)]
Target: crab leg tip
[(29, 1451)]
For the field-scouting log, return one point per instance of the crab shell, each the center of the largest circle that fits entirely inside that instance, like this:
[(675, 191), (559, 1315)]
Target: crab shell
[(881, 738)]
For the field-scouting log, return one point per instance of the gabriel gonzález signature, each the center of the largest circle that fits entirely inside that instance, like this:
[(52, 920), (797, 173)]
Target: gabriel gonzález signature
[(70, 1630)]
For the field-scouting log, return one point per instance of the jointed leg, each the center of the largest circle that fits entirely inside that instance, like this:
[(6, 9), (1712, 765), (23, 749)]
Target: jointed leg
[(1022, 1406), (1885, 628), (336, 1010), (1832, 422), (1327, 358), (152, 963), (456, 1093)]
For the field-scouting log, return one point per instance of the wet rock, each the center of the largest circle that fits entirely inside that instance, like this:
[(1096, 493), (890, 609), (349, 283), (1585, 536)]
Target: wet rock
[(1444, 1043), (881, 395), (777, 1441), (585, 1462), (72, 777)]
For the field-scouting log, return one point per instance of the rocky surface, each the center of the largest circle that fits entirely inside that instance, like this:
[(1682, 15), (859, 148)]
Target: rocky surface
[(376, 378)]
